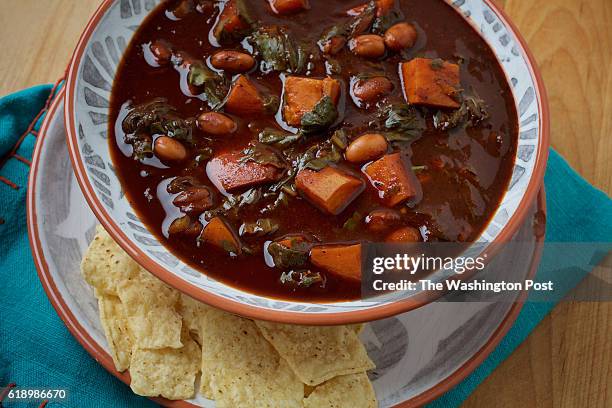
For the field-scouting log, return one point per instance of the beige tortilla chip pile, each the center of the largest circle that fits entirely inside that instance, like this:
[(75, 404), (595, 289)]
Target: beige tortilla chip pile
[(168, 340)]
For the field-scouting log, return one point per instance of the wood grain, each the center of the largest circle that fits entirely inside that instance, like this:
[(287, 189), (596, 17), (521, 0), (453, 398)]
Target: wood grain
[(566, 362)]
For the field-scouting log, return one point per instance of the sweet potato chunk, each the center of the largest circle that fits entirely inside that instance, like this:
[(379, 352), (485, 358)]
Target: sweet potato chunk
[(218, 233), (231, 23), (302, 94), (394, 182), (431, 82), (288, 6), (341, 260), (244, 98), (330, 189), (228, 173)]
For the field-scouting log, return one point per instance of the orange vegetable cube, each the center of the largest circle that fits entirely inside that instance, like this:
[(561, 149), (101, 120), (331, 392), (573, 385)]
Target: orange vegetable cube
[(394, 182), (340, 260), (431, 82), (330, 189), (228, 173), (288, 6), (218, 233), (230, 23), (302, 94), (244, 98)]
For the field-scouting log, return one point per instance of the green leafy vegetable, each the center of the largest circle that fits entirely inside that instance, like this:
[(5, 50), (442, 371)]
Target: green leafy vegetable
[(322, 116), (261, 227), (151, 118), (339, 139), (142, 145), (353, 222), (287, 257), (334, 38), (278, 138), (215, 86), (303, 279), (383, 23), (471, 112), (402, 122), (278, 50), (262, 154)]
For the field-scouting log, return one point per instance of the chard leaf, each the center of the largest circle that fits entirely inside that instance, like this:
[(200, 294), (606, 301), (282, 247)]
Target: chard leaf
[(285, 257), (322, 116), (302, 279), (278, 138), (472, 111), (402, 122), (155, 117), (262, 154), (214, 85), (261, 227), (278, 50)]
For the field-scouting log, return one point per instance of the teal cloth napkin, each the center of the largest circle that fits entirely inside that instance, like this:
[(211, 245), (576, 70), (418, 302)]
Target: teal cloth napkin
[(36, 349)]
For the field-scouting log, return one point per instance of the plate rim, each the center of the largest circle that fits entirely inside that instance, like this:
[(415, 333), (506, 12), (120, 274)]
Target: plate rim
[(101, 356)]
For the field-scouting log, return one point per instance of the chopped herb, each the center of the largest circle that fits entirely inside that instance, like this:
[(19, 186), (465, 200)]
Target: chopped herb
[(261, 227), (419, 168), (353, 222), (322, 116), (278, 50)]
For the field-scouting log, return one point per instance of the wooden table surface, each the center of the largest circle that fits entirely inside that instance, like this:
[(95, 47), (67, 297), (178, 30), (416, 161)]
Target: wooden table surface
[(567, 360)]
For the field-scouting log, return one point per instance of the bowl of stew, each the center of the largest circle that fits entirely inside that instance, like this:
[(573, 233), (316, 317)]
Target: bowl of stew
[(244, 152)]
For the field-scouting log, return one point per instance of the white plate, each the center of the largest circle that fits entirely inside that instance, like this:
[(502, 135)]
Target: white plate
[(419, 354)]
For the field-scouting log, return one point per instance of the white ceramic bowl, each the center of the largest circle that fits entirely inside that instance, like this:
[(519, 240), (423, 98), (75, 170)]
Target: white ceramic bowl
[(89, 85)]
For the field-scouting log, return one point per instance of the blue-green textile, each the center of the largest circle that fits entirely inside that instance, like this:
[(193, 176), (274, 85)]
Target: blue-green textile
[(36, 349)]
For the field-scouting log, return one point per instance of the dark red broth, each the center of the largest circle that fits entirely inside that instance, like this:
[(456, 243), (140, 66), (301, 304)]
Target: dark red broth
[(459, 174)]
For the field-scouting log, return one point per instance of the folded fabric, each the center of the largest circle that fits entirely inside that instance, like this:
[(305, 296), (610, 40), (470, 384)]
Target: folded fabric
[(36, 349)]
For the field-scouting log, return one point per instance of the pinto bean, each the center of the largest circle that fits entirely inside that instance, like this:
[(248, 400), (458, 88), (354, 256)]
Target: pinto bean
[(216, 123), (406, 235), (161, 51), (368, 147), (400, 36), (368, 46), (194, 199), (167, 148), (382, 219), (371, 89), (232, 61)]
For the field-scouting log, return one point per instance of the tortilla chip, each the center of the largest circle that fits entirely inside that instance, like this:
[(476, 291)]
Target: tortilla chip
[(347, 391), (242, 369), (193, 313), (105, 264), (318, 353), (150, 306), (358, 327), (114, 322), (167, 372)]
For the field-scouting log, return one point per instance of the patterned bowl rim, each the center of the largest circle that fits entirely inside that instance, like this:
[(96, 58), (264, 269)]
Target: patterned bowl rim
[(282, 315), (102, 357)]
